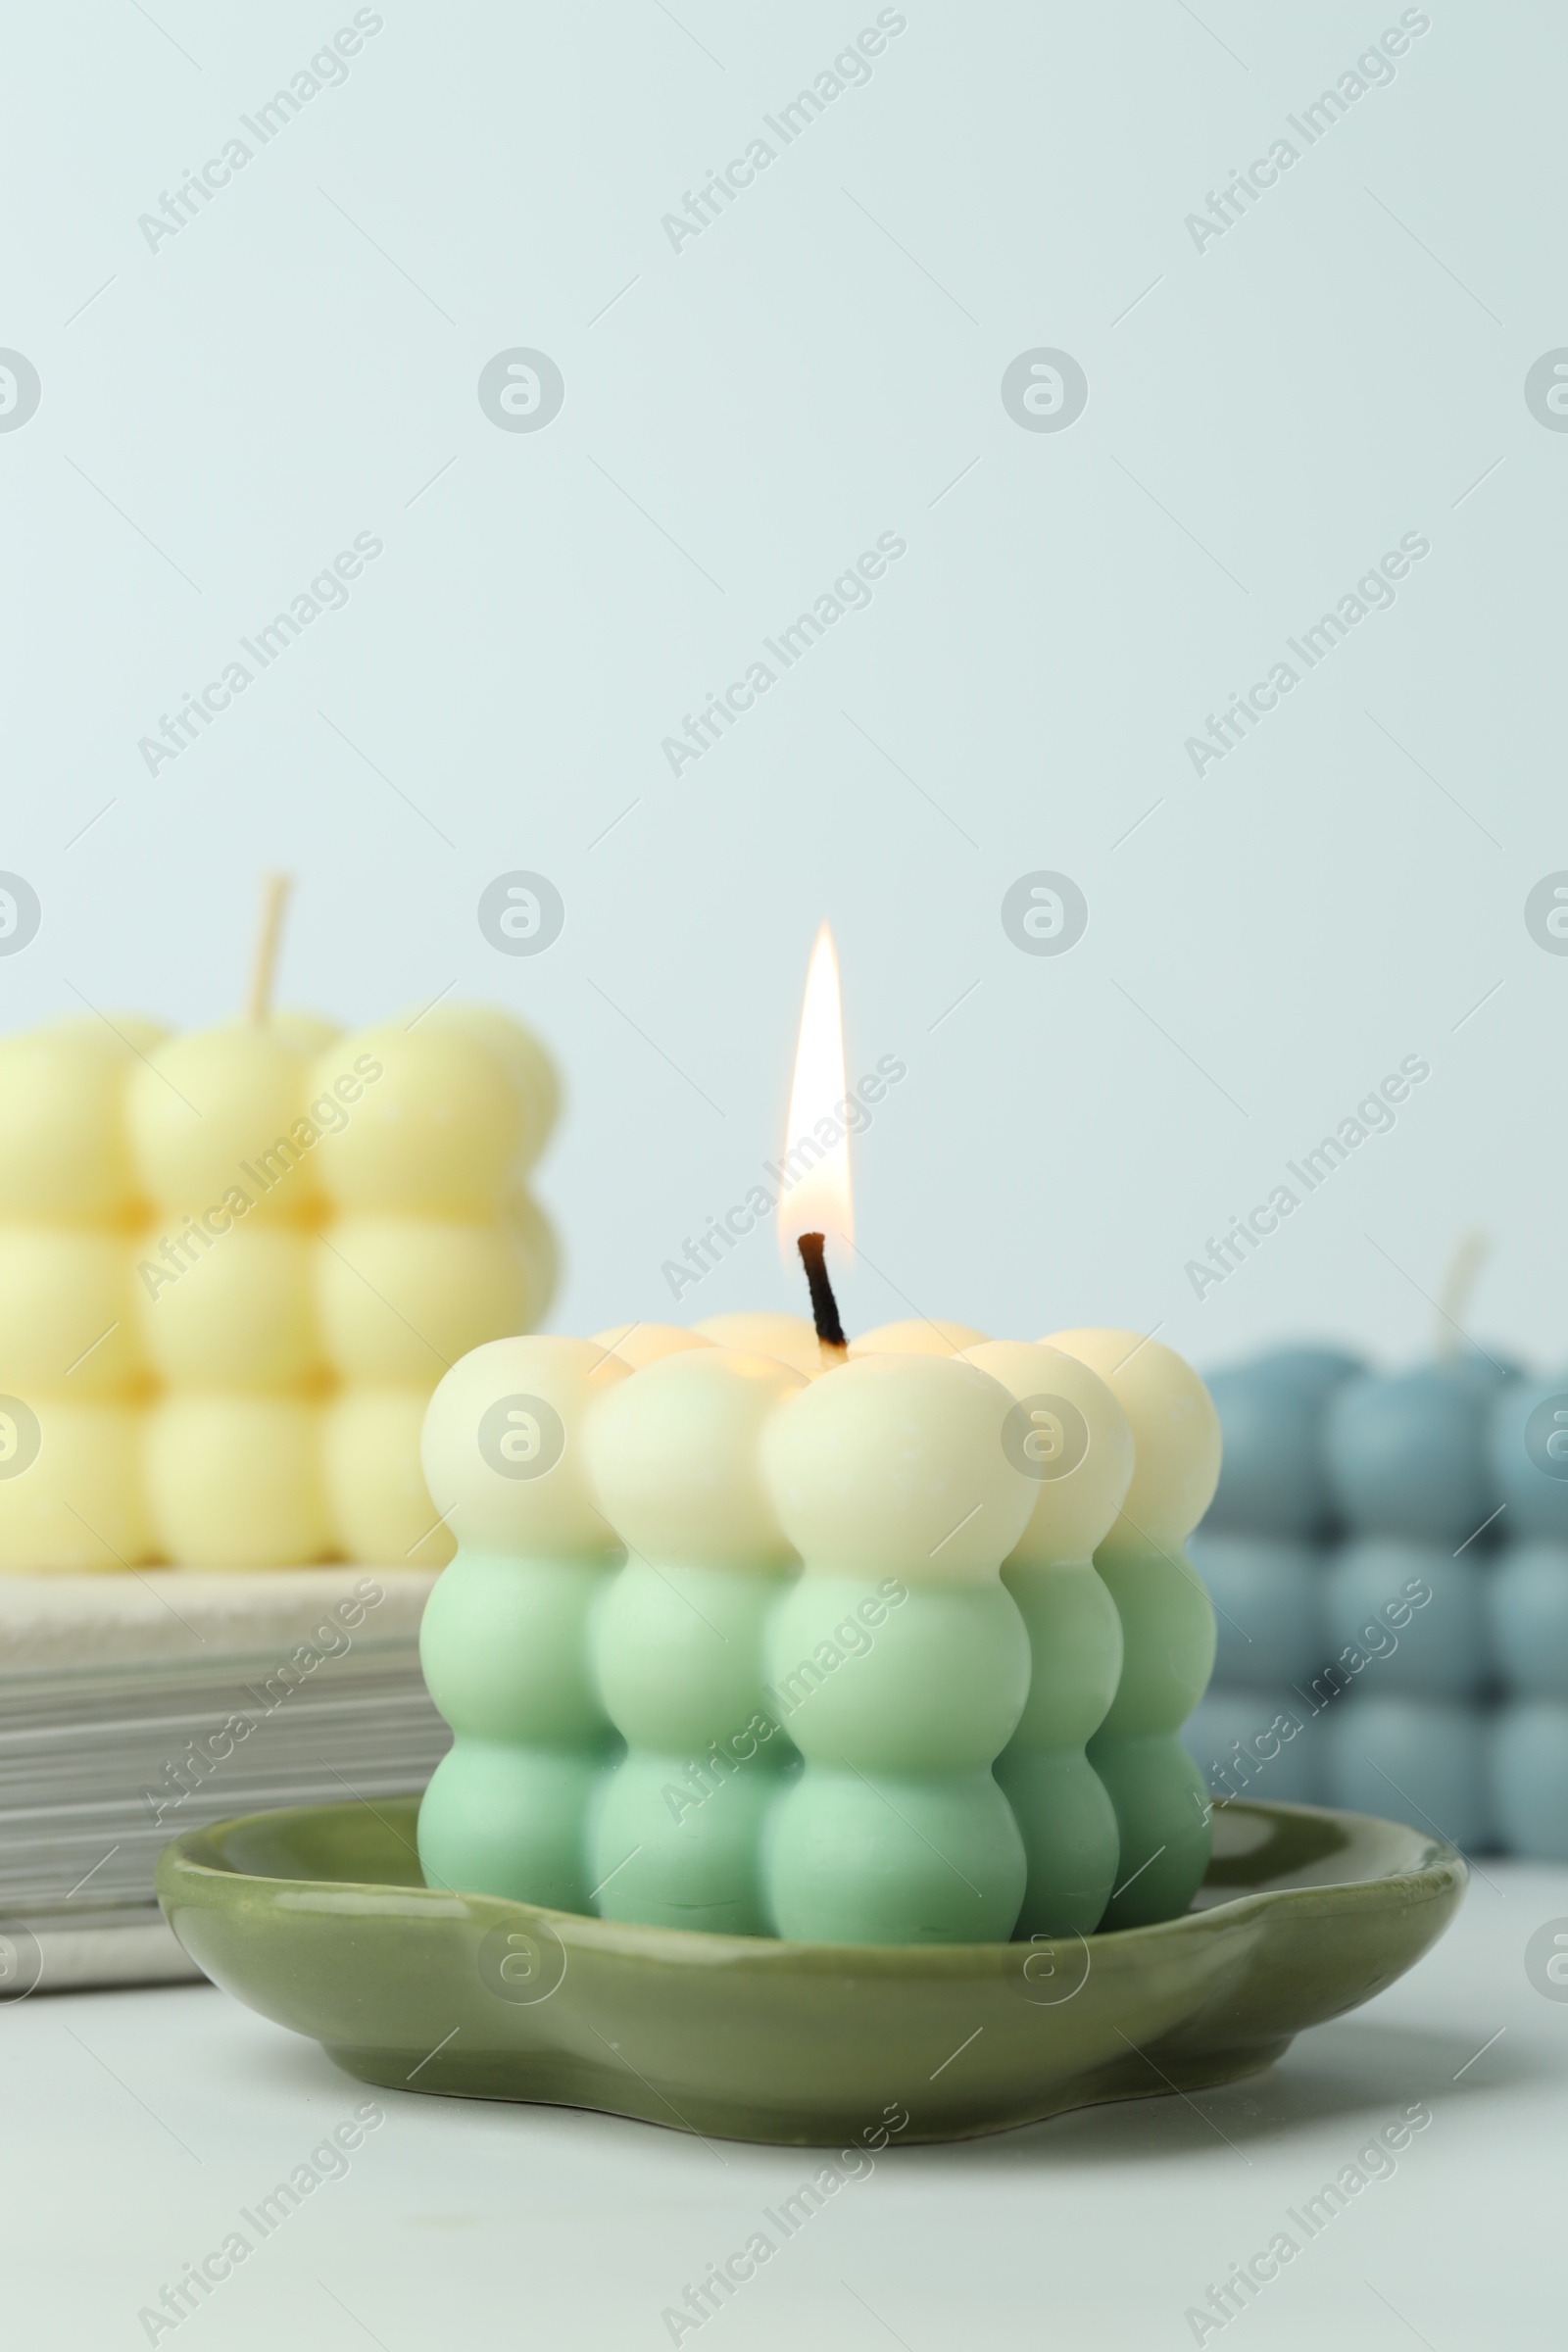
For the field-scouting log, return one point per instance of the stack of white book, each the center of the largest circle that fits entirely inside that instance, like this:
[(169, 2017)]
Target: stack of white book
[(135, 1707)]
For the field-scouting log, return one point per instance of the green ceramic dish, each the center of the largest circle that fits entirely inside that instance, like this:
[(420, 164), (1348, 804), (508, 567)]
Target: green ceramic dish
[(320, 1919)]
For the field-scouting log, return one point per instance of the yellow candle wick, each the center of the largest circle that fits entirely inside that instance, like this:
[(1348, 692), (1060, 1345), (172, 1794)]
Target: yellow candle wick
[(274, 898)]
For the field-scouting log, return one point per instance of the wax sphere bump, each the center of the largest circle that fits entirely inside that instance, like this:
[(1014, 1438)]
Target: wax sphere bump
[(899, 1463), (1411, 1759), (508, 1474), (1485, 1369), (1167, 1623), (1407, 1453), (1260, 1744), (503, 1818), (935, 1861), (1081, 1483), (1273, 1481), (77, 1506), (222, 1111), (234, 1315), (375, 1491), (1527, 1453), (908, 1652), (1077, 1444), (1313, 1371), (532, 1071), (1268, 1601), (1529, 1778), (1175, 1430), (308, 1033), (674, 1455), (916, 1337), (791, 1338), (535, 1238), (234, 1481), (431, 1122), (1526, 1601), (1412, 1612), (64, 1148), (642, 1344), (399, 1297), (121, 1035), (506, 1641), (67, 1317)]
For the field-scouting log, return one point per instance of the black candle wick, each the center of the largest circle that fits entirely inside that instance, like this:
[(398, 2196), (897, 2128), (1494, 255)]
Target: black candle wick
[(824, 1307)]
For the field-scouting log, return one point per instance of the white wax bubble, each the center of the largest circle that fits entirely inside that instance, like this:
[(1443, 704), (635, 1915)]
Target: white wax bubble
[(1082, 1457), (640, 1344), (916, 1337), (676, 1457), (501, 1446), (1175, 1434), (897, 1464), (791, 1338)]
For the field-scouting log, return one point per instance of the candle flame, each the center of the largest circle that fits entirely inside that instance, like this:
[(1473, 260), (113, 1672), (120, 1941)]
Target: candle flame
[(816, 1173)]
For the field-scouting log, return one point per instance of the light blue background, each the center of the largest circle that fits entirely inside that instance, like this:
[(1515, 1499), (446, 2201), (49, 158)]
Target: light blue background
[(1271, 415)]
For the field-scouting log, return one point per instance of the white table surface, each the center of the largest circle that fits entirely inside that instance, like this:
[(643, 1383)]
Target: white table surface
[(137, 2124)]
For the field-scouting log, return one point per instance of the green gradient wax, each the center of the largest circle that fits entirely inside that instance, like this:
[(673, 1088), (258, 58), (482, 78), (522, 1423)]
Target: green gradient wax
[(504, 1641), (1167, 1622), (901, 1656), (673, 1454), (1074, 1441)]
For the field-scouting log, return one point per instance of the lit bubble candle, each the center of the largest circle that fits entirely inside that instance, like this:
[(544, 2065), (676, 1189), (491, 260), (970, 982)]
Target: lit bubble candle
[(902, 1638)]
